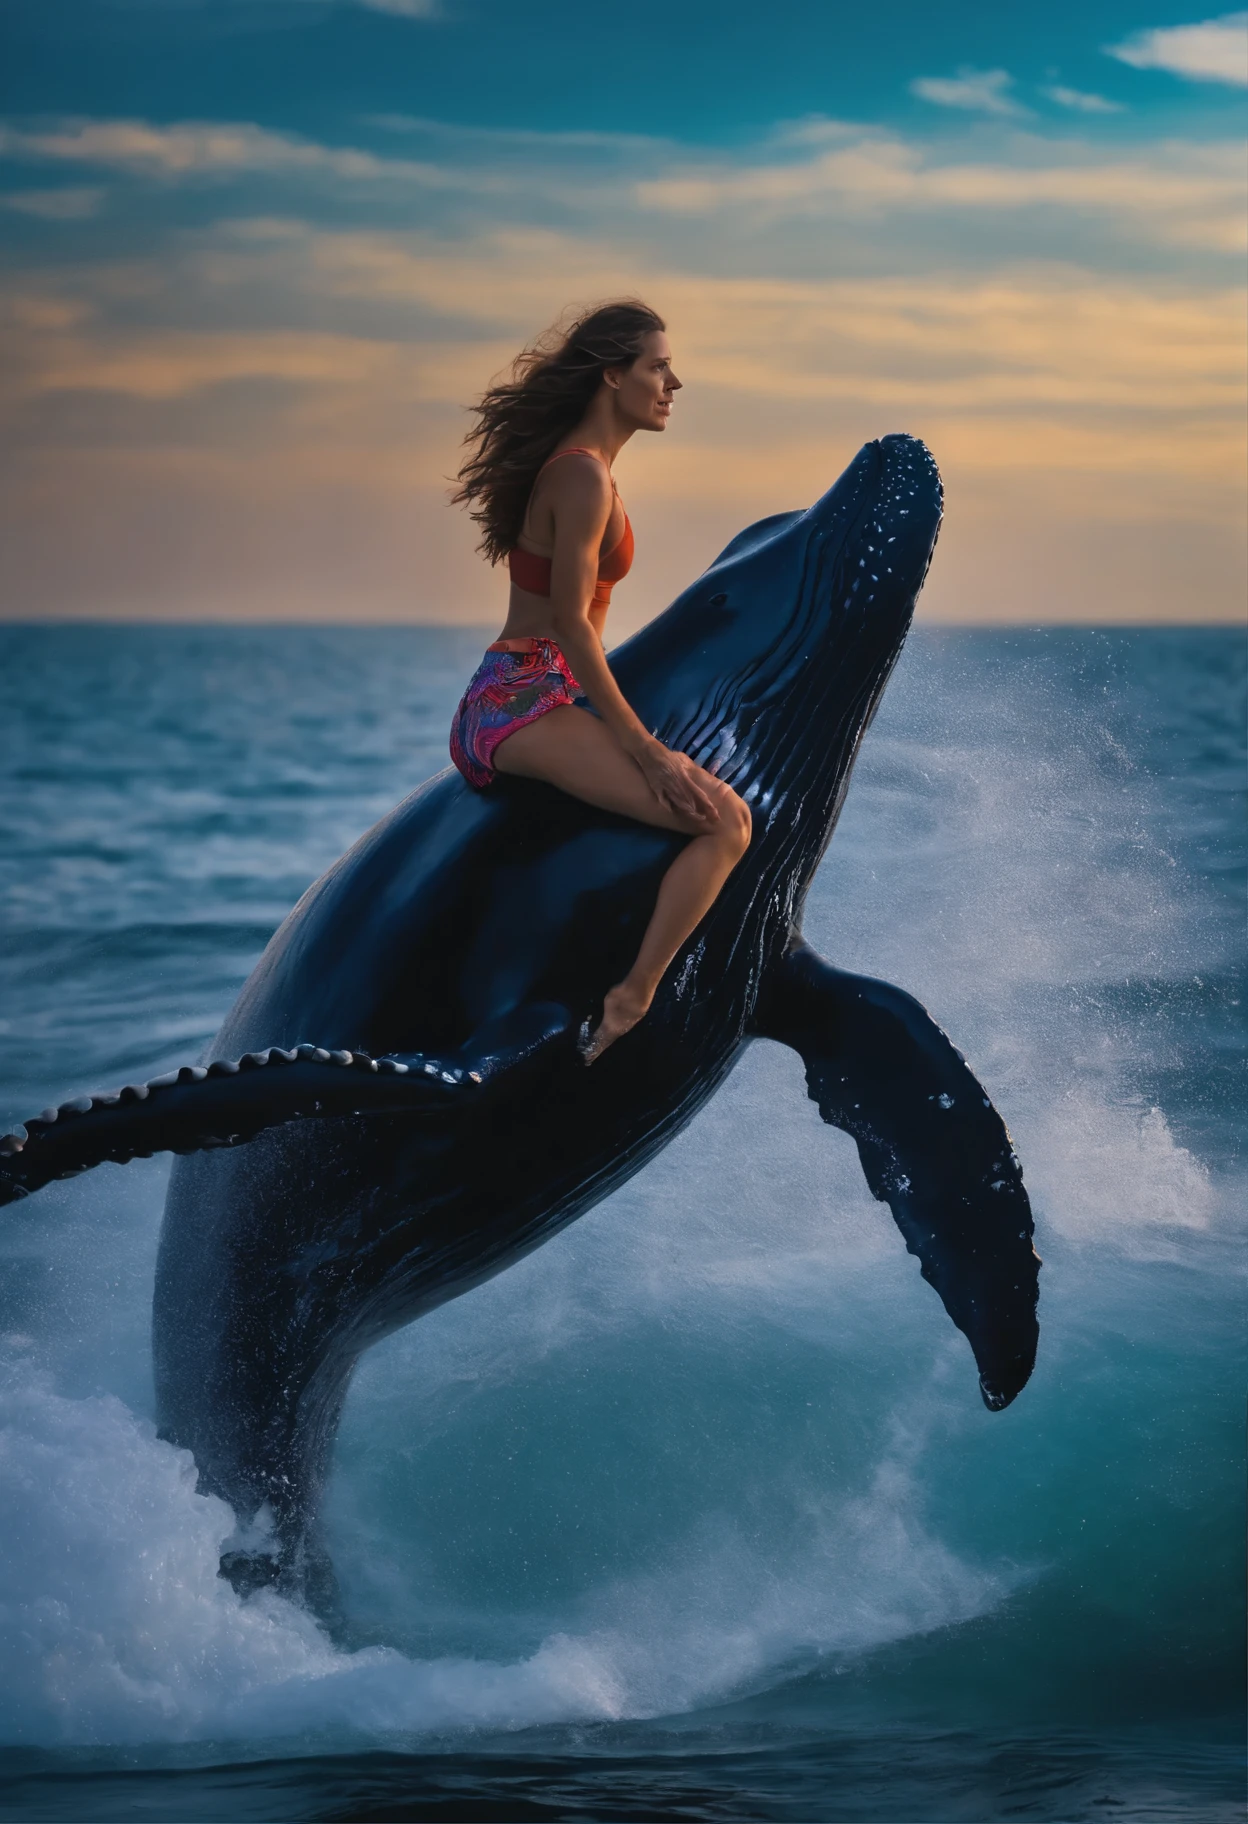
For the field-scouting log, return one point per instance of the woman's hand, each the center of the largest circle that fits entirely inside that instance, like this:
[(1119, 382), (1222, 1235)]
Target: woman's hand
[(678, 783)]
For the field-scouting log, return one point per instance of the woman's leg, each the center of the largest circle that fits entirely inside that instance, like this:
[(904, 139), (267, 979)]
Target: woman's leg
[(573, 750)]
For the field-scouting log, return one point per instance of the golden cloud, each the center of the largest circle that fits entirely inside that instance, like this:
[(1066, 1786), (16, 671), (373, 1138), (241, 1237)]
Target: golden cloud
[(1180, 193)]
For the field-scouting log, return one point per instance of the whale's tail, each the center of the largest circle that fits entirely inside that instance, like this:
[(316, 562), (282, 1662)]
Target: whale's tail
[(229, 1102)]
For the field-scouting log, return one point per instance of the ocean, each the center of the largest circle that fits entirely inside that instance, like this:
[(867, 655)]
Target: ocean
[(695, 1513)]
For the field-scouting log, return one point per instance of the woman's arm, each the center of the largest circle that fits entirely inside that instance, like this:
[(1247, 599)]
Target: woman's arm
[(581, 508)]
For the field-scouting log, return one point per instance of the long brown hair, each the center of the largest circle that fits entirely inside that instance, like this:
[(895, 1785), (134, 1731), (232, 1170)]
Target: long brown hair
[(520, 421)]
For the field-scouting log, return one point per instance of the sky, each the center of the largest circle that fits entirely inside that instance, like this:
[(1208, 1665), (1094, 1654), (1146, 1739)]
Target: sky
[(259, 256)]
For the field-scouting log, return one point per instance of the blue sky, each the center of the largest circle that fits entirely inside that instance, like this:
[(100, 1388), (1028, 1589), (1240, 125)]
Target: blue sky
[(259, 254), (718, 73)]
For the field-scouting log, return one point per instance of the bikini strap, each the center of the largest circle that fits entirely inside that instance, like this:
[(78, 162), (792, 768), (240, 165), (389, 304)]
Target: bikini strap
[(577, 449)]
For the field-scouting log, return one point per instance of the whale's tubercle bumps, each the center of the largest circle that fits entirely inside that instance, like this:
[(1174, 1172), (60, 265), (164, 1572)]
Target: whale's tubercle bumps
[(199, 1107)]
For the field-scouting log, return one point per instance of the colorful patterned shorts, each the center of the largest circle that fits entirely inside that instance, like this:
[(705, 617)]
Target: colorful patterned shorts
[(509, 689)]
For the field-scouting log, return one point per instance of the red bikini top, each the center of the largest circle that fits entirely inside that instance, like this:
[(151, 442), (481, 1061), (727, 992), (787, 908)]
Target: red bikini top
[(531, 571)]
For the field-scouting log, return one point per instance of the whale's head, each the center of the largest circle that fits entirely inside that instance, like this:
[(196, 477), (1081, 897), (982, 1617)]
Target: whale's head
[(768, 668)]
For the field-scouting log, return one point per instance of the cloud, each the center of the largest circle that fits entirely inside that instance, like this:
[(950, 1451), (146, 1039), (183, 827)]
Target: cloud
[(1037, 371), (404, 9), (555, 140), (1010, 340), (1177, 194), (263, 15), (1080, 102), (1052, 397), (1216, 50), (67, 205), (210, 149), (1183, 193), (983, 91)]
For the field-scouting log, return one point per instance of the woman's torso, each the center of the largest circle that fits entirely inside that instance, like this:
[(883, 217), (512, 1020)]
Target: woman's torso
[(529, 614)]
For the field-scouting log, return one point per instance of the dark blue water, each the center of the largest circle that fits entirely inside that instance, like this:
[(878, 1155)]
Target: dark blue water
[(696, 1512)]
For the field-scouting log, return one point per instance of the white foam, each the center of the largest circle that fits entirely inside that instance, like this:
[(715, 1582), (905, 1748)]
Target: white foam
[(114, 1626), (1106, 1173), (730, 1610)]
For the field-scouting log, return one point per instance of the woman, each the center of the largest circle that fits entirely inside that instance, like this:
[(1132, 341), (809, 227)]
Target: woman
[(539, 485)]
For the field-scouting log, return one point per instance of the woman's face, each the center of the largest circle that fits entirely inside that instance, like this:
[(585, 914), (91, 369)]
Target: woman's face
[(643, 392)]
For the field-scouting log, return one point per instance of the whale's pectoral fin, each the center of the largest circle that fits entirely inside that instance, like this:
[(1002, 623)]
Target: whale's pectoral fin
[(227, 1103), (932, 1147)]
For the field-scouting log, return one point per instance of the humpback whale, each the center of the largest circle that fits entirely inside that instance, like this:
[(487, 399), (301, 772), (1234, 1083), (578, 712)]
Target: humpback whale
[(396, 1109)]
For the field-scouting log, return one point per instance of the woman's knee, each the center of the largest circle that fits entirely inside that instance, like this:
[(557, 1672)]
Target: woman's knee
[(736, 825)]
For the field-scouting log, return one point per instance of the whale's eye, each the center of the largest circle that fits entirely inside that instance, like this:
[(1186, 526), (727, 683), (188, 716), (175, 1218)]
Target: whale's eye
[(717, 601)]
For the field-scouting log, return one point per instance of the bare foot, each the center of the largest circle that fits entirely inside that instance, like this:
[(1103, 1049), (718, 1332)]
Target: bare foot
[(621, 1010)]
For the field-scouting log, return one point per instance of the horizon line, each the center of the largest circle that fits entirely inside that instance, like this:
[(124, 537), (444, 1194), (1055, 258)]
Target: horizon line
[(984, 624)]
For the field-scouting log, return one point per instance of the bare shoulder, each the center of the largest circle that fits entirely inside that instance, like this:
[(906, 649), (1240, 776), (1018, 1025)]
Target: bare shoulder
[(577, 477)]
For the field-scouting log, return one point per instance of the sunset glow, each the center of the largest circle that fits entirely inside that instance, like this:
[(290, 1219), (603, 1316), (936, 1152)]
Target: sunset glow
[(240, 349)]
